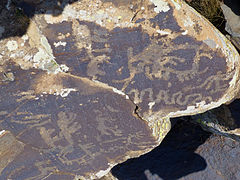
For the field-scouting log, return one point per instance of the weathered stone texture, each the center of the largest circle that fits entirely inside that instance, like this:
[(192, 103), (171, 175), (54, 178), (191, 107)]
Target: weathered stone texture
[(224, 120), (186, 153), (93, 83)]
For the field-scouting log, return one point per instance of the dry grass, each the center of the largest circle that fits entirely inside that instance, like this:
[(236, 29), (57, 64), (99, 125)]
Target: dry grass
[(210, 9)]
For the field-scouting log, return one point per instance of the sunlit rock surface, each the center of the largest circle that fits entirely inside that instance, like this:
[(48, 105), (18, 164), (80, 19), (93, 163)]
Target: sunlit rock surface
[(93, 83)]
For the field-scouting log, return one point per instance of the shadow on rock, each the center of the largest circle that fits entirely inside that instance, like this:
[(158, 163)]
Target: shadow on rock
[(234, 5), (234, 108), (15, 15), (173, 159)]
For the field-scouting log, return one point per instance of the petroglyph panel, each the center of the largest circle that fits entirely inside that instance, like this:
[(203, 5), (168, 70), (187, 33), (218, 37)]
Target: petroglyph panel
[(152, 58), (93, 83), (84, 132)]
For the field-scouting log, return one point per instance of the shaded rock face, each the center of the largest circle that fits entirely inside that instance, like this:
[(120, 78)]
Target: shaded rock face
[(96, 83), (231, 13), (174, 158), (221, 154), (232, 18), (186, 153), (224, 120)]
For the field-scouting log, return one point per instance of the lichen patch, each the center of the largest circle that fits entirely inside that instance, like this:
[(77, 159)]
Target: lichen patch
[(188, 22), (12, 45), (25, 37), (60, 43), (44, 61), (108, 15), (160, 6), (64, 92)]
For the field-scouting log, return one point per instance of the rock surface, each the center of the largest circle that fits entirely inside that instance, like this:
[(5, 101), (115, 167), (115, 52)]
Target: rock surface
[(82, 127), (231, 13), (186, 153), (232, 18), (224, 120), (94, 83), (221, 155)]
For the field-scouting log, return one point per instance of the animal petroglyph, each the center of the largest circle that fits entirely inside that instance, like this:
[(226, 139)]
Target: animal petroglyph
[(95, 83)]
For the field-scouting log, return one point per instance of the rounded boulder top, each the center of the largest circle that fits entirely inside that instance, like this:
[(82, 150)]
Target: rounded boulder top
[(94, 83)]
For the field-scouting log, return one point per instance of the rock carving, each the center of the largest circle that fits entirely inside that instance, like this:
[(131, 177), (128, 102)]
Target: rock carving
[(96, 83)]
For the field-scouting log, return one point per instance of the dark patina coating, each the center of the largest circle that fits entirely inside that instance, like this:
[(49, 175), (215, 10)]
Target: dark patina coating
[(79, 133), (95, 83)]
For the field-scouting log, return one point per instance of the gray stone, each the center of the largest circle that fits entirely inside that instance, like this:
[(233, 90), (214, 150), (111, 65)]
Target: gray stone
[(186, 153), (232, 21), (223, 120)]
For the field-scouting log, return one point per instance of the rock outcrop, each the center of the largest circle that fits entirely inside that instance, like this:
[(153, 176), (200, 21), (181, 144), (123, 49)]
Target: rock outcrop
[(186, 153), (232, 16), (95, 83), (223, 120)]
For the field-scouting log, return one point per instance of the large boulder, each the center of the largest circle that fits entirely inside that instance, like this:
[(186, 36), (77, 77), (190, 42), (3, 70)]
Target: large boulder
[(186, 153), (232, 16), (224, 120), (94, 83)]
